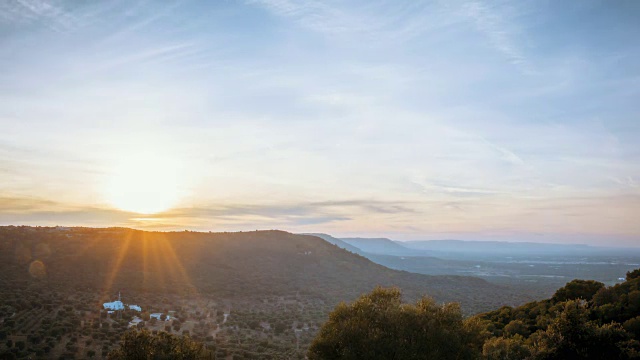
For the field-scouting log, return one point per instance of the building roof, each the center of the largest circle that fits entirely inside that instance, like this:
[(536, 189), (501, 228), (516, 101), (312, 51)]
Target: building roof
[(115, 305)]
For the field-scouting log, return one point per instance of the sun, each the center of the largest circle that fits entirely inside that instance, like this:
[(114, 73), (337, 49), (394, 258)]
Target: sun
[(144, 183)]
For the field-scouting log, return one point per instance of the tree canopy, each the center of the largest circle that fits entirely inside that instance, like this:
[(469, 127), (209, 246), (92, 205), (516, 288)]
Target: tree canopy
[(578, 289), (583, 320), (143, 345), (379, 326)]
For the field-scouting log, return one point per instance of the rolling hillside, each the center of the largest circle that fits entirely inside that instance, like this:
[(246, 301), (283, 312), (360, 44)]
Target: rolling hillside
[(231, 265)]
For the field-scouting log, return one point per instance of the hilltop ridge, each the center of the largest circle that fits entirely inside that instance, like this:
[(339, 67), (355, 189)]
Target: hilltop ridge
[(257, 263)]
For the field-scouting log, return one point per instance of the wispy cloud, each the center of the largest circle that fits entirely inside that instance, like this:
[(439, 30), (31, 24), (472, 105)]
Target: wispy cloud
[(38, 11), (25, 205), (505, 153), (38, 211), (291, 214), (501, 33), (147, 55), (628, 182), (430, 188), (317, 15), (374, 20)]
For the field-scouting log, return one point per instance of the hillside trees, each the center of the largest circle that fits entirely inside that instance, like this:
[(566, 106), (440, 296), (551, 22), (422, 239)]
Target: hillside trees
[(500, 348), (578, 289), (635, 274), (583, 320), (142, 345), (379, 326), (572, 336)]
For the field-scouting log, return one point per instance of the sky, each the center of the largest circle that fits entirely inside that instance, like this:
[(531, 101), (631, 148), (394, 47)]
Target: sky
[(477, 120)]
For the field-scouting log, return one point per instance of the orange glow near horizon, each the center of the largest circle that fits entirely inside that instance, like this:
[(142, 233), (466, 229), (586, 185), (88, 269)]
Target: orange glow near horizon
[(161, 265), (113, 273)]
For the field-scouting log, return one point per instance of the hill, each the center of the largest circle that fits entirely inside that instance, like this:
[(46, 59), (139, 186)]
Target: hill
[(379, 246), (229, 291), (244, 264), (339, 243)]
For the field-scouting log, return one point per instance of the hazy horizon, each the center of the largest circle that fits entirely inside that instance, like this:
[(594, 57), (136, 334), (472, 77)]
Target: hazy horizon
[(602, 243), (408, 120)]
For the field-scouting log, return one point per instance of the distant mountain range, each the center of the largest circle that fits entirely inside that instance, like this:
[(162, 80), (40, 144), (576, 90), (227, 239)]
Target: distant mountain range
[(338, 242), (370, 246), (385, 246), (536, 269), (379, 246)]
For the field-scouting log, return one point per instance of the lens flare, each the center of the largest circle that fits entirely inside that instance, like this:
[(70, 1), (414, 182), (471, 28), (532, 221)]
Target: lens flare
[(37, 269)]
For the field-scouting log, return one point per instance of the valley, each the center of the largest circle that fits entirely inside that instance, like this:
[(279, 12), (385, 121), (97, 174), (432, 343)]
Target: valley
[(537, 270)]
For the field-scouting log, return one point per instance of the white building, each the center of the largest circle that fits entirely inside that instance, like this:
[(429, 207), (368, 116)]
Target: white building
[(115, 305), (118, 305), (135, 321), (159, 315)]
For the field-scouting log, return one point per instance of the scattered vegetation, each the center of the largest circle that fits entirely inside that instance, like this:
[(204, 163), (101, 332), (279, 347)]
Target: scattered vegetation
[(583, 320), (143, 345)]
